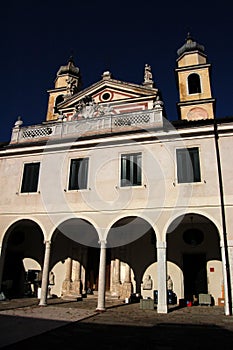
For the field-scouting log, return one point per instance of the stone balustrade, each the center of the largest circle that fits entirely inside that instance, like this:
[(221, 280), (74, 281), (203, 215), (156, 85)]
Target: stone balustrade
[(107, 124)]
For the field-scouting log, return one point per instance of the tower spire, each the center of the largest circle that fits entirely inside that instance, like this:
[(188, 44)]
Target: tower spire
[(193, 73)]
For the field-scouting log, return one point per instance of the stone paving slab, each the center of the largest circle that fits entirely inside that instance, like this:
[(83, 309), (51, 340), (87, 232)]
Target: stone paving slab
[(55, 313), (21, 323), (24, 318), (67, 325)]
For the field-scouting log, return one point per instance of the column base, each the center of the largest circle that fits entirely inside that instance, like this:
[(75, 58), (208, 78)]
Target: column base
[(126, 290), (71, 297), (162, 309), (71, 290), (76, 287), (116, 290), (100, 309), (66, 287), (42, 304)]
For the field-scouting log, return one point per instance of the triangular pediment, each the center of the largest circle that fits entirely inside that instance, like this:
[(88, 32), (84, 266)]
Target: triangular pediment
[(120, 95)]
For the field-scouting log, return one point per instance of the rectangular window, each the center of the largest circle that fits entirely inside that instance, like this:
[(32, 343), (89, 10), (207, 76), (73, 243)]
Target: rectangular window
[(188, 165), (78, 174), (131, 172), (30, 177)]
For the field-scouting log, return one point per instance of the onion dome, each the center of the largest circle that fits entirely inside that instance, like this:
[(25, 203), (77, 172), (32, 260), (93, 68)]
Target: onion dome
[(190, 45), (70, 68)]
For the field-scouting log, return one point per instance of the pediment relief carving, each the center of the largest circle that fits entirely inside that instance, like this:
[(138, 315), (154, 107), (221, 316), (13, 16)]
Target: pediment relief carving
[(88, 108)]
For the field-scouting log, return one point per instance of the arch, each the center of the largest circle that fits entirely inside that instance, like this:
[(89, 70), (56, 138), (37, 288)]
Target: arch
[(152, 271), (194, 83), (11, 226), (33, 274), (59, 99), (15, 233), (194, 230), (75, 240), (127, 229), (130, 237), (80, 231), (172, 222), (23, 239), (193, 245), (31, 263)]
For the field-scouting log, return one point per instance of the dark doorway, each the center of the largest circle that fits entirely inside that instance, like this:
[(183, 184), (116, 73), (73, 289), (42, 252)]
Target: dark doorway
[(13, 281), (195, 275), (92, 278), (92, 269)]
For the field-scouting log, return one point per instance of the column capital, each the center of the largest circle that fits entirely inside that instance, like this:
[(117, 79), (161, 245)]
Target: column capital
[(102, 243), (161, 244), (230, 243)]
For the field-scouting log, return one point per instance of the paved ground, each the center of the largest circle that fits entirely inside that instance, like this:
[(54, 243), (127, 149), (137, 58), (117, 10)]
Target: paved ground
[(76, 324)]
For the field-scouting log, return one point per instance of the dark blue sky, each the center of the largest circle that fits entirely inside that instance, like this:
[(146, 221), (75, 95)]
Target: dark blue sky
[(38, 37)]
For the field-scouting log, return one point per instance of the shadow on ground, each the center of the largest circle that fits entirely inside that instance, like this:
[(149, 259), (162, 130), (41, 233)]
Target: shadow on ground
[(163, 336)]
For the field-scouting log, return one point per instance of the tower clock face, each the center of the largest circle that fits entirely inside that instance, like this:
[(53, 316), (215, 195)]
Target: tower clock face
[(197, 113)]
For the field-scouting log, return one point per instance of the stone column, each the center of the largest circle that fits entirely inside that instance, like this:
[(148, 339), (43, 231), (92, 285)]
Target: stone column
[(116, 283), (112, 269), (162, 277), (45, 275), (76, 285), (127, 284), (69, 264), (102, 273), (117, 270), (77, 271), (127, 274), (83, 270), (66, 285)]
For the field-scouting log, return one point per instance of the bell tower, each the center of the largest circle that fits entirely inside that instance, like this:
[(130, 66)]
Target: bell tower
[(67, 83), (193, 80)]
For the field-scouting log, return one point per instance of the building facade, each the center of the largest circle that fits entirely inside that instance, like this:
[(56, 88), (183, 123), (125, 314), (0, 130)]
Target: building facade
[(114, 198)]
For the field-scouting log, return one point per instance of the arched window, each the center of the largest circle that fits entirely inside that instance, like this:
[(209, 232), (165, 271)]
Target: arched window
[(194, 83), (59, 99)]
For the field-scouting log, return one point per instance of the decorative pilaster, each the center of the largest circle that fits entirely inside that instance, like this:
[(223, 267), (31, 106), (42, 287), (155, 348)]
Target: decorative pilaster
[(45, 275), (162, 277)]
